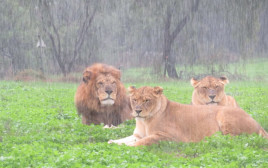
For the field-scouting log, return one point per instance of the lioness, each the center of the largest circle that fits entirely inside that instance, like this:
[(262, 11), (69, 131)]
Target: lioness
[(159, 119), (210, 91), (101, 97)]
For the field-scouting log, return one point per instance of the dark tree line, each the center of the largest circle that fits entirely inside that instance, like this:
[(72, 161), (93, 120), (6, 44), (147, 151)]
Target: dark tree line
[(160, 34)]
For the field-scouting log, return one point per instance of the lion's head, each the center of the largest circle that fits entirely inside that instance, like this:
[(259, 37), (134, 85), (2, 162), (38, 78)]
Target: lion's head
[(209, 90), (101, 97), (145, 101), (103, 80)]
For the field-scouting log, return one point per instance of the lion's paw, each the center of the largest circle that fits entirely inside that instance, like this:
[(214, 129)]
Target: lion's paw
[(110, 141), (114, 141), (111, 127)]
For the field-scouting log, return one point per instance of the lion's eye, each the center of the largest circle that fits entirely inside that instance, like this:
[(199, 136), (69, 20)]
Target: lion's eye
[(216, 87), (204, 87), (100, 83), (147, 100), (134, 100)]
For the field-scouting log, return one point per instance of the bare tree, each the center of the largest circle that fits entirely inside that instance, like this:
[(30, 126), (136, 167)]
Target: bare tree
[(65, 56), (80, 32)]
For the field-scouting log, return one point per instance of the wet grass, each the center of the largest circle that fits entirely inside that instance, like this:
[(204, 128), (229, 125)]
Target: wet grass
[(39, 127)]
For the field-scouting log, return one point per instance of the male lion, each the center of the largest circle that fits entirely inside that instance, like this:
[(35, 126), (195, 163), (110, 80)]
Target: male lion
[(159, 119), (210, 91), (101, 97)]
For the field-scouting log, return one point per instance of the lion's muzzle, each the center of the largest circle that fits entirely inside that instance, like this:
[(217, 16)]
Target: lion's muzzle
[(107, 102), (212, 103)]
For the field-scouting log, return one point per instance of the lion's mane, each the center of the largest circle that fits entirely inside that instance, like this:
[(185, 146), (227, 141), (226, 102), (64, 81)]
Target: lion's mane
[(88, 105)]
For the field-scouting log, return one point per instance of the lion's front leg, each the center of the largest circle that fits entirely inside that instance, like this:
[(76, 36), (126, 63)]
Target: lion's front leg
[(85, 121), (128, 140), (149, 140)]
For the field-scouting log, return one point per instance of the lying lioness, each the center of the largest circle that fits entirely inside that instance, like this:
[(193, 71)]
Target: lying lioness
[(159, 119), (210, 91)]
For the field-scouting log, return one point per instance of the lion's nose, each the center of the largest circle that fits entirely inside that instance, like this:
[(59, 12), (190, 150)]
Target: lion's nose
[(212, 97), (108, 91), (138, 111)]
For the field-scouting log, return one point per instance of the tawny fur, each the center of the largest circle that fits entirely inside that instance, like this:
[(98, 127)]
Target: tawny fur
[(161, 119), (211, 86), (87, 97)]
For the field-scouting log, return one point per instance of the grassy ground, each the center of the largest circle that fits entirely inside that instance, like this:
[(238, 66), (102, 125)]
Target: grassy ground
[(39, 127)]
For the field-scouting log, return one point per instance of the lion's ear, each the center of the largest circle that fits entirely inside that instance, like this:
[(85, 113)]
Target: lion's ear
[(86, 76), (131, 89), (158, 90), (224, 80), (116, 73), (194, 82)]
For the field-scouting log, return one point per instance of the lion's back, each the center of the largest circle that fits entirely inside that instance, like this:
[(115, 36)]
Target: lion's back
[(232, 102)]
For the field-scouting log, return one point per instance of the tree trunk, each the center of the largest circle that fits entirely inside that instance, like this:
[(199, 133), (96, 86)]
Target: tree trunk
[(169, 38), (169, 60), (171, 69)]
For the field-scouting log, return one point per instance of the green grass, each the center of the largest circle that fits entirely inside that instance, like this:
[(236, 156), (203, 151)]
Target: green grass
[(39, 127)]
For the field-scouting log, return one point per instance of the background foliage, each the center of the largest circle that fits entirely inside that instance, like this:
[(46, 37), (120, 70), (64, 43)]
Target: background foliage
[(131, 33)]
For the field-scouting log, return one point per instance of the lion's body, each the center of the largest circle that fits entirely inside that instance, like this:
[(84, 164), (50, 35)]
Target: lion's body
[(102, 98), (210, 91), (167, 120)]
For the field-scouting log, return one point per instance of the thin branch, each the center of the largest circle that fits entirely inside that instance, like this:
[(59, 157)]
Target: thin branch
[(54, 29), (55, 47), (183, 22), (5, 53), (81, 37)]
